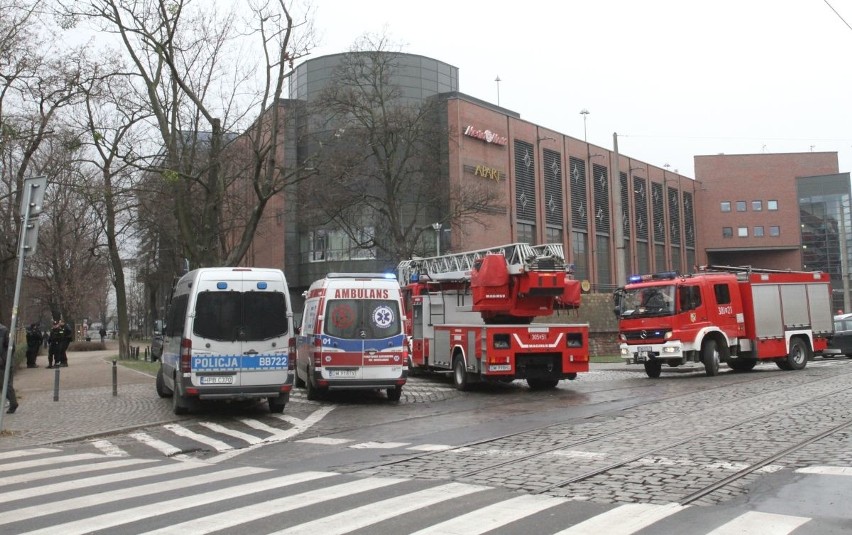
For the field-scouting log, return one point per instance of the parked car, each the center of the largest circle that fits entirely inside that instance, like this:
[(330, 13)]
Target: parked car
[(840, 343)]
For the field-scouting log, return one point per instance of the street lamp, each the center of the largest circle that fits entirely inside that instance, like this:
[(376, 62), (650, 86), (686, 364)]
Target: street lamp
[(584, 112), (437, 228), (498, 80)]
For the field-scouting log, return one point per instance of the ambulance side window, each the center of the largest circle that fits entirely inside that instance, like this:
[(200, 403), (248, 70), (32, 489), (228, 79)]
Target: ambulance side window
[(723, 294), (690, 297)]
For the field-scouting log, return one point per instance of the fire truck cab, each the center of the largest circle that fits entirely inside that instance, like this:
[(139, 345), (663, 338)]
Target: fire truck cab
[(733, 315)]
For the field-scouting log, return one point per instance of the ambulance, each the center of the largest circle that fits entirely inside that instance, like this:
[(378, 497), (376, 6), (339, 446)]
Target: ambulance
[(228, 335), (352, 336)]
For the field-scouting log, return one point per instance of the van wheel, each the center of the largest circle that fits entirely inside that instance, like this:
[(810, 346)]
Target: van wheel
[(162, 390), (460, 374), (276, 404), (300, 383), (312, 392), (394, 393), (180, 406)]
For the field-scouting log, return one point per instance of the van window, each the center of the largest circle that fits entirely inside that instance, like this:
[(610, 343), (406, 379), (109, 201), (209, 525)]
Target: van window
[(377, 318), (229, 316), (177, 316)]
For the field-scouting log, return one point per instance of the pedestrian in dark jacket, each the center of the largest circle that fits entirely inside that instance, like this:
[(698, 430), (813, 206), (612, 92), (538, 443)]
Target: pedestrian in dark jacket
[(67, 336), (34, 337), (10, 389), (54, 345)]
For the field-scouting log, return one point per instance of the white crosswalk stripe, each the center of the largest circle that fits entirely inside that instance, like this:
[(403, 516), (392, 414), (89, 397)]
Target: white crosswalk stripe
[(82, 493)]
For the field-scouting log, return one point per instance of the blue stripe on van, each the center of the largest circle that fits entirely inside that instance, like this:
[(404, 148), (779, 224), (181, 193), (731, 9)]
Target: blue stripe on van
[(346, 344), (240, 362)]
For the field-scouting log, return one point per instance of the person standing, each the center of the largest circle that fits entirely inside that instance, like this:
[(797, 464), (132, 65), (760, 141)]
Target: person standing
[(54, 345), (10, 389), (102, 332), (33, 345), (66, 338)]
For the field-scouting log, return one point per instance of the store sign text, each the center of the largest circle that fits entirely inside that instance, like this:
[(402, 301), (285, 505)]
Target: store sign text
[(485, 135), (487, 172)]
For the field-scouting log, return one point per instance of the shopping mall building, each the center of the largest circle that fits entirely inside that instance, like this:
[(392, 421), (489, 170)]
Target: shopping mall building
[(555, 188)]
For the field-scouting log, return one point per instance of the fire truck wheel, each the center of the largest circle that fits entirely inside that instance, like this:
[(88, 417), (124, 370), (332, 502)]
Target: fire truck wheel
[(460, 374), (710, 357), (394, 393), (653, 368), (542, 384), (799, 354)]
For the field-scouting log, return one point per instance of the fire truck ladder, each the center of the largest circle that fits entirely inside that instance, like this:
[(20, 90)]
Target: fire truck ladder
[(520, 257)]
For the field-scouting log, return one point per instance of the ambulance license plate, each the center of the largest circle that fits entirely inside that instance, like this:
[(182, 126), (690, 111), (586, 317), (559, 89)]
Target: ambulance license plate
[(342, 373), (217, 380)]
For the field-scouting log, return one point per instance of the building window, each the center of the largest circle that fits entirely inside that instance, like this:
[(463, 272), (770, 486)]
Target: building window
[(757, 206), (742, 232), (775, 231), (526, 233), (758, 232), (771, 205), (579, 248), (741, 206), (553, 235), (725, 206), (727, 232)]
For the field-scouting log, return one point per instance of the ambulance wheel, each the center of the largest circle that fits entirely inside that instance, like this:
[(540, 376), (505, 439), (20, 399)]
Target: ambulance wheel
[(276, 404), (394, 393), (542, 384), (180, 404), (162, 390), (653, 368), (300, 383), (460, 379), (312, 392), (799, 354), (710, 357)]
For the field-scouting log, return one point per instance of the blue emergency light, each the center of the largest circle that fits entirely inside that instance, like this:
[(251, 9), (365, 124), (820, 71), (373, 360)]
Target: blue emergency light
[(261, 285), (221, 285)]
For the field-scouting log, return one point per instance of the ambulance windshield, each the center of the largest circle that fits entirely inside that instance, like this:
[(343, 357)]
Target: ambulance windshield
[(647, 301), (362, 318)]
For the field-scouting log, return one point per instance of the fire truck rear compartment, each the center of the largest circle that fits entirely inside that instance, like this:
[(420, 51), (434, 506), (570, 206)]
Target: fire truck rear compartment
[(538, 365)]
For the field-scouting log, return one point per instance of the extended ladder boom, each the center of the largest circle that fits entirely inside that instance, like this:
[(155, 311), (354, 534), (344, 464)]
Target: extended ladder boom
[(520, 257)]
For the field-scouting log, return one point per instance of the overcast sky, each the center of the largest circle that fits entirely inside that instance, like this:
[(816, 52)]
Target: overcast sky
[(674, 78)]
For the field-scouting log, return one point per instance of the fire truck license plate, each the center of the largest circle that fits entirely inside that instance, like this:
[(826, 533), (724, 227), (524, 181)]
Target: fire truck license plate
[(643, 352)]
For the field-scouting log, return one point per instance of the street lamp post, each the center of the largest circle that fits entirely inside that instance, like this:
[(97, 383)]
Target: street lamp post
[(437, 228), (584, 112)]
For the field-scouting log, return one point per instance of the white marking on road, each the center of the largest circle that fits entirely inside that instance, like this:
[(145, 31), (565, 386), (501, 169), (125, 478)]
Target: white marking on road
[(16, 454), (101, 498), (369, 514), (260, 426), (756, 523), (379, 445), (299, 427), (326, 441), (251, 439), (624, 520), (93, 481), (134, 514), (431, 447), (109, 449), (574, 454), (263, 509), (72, 470), (182, 431), (163, 447), (826, 470), (22, 465), (493, 516)]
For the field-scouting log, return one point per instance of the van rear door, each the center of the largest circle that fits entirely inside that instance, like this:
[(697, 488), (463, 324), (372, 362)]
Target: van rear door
[(240, 329)]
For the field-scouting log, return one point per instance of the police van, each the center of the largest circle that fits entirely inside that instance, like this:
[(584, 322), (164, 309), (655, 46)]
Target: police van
[(228, 336), (352, 336)]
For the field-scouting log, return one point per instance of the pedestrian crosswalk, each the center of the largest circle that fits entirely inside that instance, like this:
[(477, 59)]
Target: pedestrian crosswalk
[(48, 491)]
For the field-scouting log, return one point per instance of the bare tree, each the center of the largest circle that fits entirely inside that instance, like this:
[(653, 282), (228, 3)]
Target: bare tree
[(384, 155), (200, 90)]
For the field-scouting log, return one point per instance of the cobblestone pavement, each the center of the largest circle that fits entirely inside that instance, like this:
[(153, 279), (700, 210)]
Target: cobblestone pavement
[(665, 449)]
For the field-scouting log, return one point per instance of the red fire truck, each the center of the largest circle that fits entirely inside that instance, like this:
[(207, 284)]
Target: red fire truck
[(736, 315), (471, 313)]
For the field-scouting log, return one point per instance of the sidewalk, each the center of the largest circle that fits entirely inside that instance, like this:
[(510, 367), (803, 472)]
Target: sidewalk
[(86, 405)]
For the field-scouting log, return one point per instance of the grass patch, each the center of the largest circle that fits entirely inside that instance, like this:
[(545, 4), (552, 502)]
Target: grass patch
[(139, 365)]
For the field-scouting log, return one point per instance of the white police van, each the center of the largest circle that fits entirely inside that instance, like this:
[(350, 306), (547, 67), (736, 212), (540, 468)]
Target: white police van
[(352, 336), (228, 336)]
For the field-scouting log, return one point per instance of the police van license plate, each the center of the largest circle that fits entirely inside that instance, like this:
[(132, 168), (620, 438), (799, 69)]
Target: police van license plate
[(643, 352), (342, 373), (217, 380)]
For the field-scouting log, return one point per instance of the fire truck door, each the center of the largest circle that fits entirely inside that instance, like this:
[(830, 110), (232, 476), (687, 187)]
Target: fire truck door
[(724, 310)]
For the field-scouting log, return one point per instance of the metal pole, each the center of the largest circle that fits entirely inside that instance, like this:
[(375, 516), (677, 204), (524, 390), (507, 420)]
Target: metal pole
[(114, 378), (10, 353), (56, 384)]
